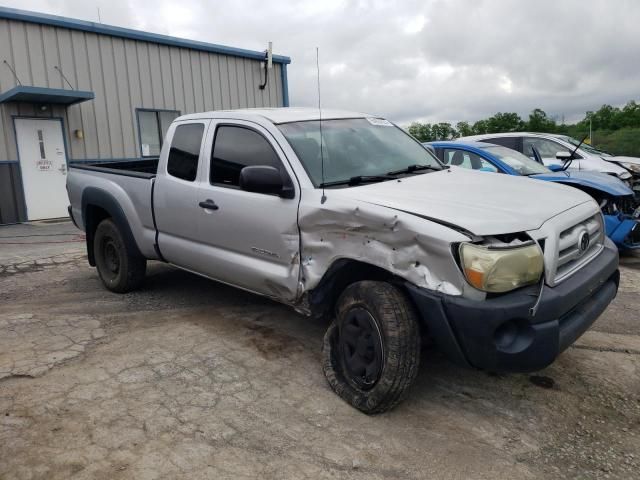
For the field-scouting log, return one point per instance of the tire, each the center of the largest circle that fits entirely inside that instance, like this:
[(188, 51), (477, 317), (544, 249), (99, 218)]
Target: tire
[(120, 269), (371, 351)]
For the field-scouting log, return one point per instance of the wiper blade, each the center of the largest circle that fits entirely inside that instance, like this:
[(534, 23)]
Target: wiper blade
[(415, 168), (358, 180)]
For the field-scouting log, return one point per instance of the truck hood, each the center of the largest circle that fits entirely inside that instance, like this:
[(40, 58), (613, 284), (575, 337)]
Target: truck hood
[(474, 201), (595, 180)]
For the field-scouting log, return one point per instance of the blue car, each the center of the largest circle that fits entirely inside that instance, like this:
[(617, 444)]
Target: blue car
[(615, 198)]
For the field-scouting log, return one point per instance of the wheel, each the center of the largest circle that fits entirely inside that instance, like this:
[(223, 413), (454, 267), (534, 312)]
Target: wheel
[(120, 269), (371, 351)]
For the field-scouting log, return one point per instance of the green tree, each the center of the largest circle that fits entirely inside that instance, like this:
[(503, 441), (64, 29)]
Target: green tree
[(616, 130), (630, 115), (422, 131), (443, 131), (540, 122), (606, 117), (464, 129), (504, 122)]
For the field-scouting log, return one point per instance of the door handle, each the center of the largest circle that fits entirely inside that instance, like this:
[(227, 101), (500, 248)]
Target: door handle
[(209, 205)]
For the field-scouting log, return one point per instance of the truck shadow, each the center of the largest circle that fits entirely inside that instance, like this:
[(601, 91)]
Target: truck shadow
[(274, 329)]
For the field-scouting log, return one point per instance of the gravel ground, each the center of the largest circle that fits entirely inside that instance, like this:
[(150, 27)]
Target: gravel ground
[(188, 378)]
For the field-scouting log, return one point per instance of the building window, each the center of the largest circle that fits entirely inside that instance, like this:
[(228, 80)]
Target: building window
[(153, 126), (185, 151)]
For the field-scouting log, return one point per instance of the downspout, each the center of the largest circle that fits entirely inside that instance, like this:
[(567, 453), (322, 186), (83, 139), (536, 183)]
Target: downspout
[(285, 85)]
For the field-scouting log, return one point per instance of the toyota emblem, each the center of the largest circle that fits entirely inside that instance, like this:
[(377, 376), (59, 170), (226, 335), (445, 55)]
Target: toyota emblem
[(583, 242)]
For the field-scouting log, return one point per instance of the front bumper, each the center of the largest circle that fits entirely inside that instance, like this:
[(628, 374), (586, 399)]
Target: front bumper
[(498, 334)]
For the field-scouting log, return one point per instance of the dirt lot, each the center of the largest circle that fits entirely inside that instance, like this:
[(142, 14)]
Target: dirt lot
[(191, 379)]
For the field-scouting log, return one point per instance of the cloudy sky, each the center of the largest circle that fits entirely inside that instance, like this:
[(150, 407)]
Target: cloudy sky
[(430, 60)]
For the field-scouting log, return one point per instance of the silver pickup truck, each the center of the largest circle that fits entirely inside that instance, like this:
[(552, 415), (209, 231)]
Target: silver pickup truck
[(351, 219)]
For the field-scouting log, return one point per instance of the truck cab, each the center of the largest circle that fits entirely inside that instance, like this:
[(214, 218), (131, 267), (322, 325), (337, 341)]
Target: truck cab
[(345, 216)]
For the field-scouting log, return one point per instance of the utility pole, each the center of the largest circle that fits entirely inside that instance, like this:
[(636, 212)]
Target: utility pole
[(590, 134)]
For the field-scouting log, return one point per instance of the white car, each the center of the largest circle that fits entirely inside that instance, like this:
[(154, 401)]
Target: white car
[(556, 149)]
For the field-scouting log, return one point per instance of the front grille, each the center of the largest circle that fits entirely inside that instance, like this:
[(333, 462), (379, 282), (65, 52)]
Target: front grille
[(570, 255)]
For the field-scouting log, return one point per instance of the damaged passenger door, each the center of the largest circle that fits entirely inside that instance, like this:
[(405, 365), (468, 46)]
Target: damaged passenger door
[(250, 239)]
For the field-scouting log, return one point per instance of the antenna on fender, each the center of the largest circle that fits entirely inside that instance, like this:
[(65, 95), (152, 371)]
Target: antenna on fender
[(324, 197)]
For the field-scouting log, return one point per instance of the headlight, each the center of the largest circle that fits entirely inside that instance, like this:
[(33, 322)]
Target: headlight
[(624, 175), (634, 167), (500, 269)]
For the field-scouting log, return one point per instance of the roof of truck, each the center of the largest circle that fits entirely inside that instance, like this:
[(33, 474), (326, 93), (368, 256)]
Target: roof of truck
[(278, 115)]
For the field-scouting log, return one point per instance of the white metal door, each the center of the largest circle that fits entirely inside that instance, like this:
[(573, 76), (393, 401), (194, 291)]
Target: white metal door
[(43, 162)]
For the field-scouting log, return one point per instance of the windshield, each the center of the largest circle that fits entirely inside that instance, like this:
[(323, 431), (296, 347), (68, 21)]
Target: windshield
[(586, 147), (516, 160), (355, 147)]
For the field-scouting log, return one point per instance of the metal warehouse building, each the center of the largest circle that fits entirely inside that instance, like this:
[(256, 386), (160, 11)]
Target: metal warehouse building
[(77, 91)]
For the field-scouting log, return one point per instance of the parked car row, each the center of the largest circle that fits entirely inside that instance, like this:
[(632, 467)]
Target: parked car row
[(615, 198), (352, 219), (559, 149)]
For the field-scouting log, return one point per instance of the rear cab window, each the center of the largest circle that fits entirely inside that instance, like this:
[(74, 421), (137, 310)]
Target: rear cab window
[(184, 153)]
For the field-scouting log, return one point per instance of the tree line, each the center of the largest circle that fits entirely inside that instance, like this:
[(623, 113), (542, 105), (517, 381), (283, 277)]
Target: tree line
[(615, 130)]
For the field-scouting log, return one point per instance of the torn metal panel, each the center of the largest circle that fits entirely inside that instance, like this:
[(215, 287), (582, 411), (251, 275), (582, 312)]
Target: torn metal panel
[(400, 243)]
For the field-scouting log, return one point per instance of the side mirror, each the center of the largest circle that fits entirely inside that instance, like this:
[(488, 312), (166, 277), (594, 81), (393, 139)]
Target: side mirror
[(564, 156), (555, 168), (264, 179)]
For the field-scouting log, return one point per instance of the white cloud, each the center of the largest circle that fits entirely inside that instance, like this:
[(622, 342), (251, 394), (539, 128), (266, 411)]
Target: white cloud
[(435, 60), (415, 25), (506, 84), (337, 68)]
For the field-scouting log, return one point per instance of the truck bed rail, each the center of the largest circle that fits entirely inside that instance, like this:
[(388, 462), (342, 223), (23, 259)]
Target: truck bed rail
[(136, 168)]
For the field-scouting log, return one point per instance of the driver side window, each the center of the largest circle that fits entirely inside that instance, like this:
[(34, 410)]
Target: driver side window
[(236, 147), (461, 158), (546, 148)]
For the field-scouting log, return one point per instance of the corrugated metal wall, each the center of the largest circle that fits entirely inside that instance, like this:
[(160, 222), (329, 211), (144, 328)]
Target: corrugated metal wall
[(124, 74)]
